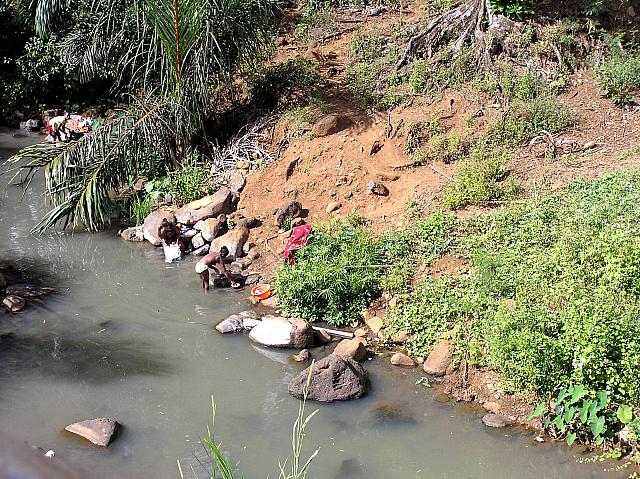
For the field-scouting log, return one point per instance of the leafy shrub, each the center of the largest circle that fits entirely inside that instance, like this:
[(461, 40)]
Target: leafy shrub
[(335, 276), (317, 20), (619, 79), (513, 8), (420, 132), (475, 181), (553, 292), (526, 118), (189, 183), (444, 148), (271, 86)]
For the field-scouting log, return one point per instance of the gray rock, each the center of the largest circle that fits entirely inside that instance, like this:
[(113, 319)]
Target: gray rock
[(496, 420), (152, 223), (237, 322), (98, 431), (249, 222), (333, 378), (3, 281), (211, 227), (197, 241), (278, 332), (253, 254), (333, 206), (234, 240), (207, 207), (202, 251), (439, 359), (252, 279), (330, 124), (235, 180), (377, 188), (13, 303), (288, 211), (135, 233)]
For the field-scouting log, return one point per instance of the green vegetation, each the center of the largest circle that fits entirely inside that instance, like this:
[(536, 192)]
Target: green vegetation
[(619, 78), (551, 296), (280, 84), (335, 275), (477, 177)]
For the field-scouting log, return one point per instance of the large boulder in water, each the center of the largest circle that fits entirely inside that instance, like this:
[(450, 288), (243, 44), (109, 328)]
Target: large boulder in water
[(134, 233), (210, 206), (98, 431), (152, 223), (234, 240), (332, 379), (236, 323), (277, 332)]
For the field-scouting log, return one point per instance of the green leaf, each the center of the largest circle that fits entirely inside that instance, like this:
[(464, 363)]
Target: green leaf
[(625, 414), (541, 409), (584, 412), (597, 426), (599, 441), (563, 394), (570, 414), (571, 438), (578, 392), (559, 423)]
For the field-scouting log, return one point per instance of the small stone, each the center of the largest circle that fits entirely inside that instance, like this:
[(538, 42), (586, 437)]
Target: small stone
[(253, 254), (252, 278), (14, 303), (330, 124), (248, 246), (301, 356), (333, 206), (441, 397), (360, 333), (377, 188), (375, 323), (399, 359), (348, 195), (297, 222), (400, 337), (439, 359), (419, 359), (134, 233), (375, 147), (351, 348), (491, 406), (382, 176), (98, 431), (496, 420), (393, 302)]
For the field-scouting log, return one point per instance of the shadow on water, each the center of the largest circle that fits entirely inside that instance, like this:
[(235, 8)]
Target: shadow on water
[(93, 360)]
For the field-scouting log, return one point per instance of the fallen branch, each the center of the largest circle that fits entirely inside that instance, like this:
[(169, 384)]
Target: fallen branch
[(334, 332)]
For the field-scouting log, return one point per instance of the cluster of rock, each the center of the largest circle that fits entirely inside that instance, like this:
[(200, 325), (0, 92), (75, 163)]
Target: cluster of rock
[(14, 293), (336, 377), (211, 223)]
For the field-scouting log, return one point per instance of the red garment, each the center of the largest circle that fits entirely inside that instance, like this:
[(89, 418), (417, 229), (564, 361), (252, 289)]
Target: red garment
[(296, 241)]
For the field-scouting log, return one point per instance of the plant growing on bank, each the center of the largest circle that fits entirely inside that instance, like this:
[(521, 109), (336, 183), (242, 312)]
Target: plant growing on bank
[(619, 79), (335, 276)]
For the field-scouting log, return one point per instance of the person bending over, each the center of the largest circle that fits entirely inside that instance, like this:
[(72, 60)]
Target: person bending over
[(215, 260)]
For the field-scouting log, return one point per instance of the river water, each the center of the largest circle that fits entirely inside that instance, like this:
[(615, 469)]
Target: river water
[(131, 338)]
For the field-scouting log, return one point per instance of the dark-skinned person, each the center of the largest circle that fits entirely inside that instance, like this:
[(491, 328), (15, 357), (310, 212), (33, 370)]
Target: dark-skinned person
[(214, 260)]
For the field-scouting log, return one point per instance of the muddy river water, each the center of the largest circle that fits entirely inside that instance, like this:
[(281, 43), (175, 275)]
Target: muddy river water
[(131, 338)]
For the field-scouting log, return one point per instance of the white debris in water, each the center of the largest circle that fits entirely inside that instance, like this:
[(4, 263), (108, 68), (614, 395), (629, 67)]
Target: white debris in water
[(50, 453)]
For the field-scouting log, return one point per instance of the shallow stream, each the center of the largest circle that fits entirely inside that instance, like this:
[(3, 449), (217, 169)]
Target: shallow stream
[(130, 337)]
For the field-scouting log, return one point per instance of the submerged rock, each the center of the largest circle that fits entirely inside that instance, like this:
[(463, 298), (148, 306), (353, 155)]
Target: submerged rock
[(332, 379), (277, 332), (98, 431), (13, 303), (29, 290), (384, 412), (302, 356), (496, 420)]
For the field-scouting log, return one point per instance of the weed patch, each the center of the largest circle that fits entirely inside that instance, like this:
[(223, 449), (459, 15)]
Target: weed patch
[(619, 79)]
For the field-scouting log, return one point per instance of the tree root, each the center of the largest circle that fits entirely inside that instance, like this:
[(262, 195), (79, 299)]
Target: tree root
[(465, 21)]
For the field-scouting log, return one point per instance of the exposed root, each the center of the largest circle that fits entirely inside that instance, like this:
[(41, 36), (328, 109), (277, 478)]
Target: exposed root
[(465, 21)]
